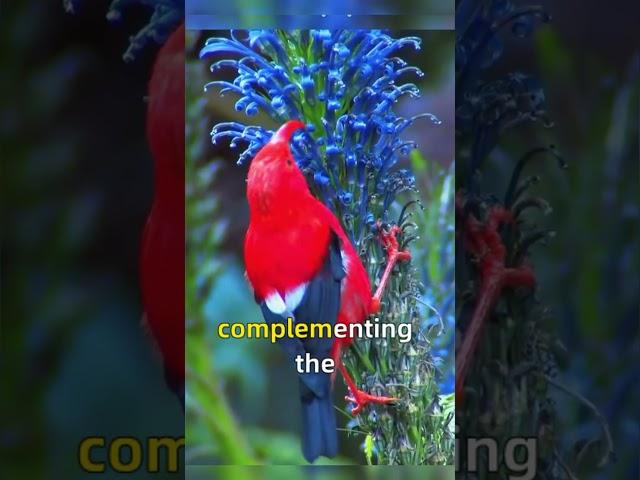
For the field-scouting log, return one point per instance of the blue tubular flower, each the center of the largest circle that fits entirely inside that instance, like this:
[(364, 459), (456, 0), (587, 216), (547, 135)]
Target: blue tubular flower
[(343, 85), (167, 14), (483, 107)]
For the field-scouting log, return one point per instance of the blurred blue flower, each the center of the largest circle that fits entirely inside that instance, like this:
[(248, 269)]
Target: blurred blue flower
[(478, 29), (343, 84), (485, 108), (167, 14)]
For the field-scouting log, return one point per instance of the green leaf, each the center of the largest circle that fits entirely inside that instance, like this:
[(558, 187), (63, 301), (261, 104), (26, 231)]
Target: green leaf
[(418, 163), (368, 448)]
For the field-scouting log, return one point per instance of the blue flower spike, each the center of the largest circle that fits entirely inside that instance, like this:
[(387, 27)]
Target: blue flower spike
[(343, 84)]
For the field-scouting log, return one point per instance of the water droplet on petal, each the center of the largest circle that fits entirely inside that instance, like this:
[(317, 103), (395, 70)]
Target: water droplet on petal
[(435, 120)]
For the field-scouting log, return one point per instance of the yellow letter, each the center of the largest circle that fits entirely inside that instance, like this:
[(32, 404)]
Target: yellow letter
[(320, 330), (173, 445), (84, 455), (259, 329), (240, 329), (221, 327), (275, 336), (290, 333), (301, 330), (136, 454)]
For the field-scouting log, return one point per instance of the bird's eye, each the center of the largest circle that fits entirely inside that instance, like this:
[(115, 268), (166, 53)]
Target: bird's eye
[(289, 162)]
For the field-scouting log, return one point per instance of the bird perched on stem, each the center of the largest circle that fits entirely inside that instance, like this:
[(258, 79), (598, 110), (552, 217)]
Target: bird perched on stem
[(301, 264)]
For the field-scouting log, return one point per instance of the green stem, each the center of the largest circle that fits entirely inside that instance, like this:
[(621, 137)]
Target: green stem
[(211, 405), (595, 412)]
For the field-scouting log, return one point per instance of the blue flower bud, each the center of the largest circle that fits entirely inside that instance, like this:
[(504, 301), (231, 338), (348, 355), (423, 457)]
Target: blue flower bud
[(345, 198), (320, 178)]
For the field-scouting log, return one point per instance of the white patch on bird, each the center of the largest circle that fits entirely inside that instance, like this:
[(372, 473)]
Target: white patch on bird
[(345, 261), (293, 297), (275, 303), (345, 266)]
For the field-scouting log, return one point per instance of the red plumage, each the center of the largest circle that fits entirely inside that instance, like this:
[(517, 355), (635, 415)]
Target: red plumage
[(290, 230), (295, 268), (162, 249)]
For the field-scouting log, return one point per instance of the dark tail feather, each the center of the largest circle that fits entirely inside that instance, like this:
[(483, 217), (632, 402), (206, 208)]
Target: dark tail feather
[(319, 436), (175, 383)]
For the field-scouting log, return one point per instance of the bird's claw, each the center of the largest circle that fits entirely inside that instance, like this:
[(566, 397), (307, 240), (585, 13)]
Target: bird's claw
[(360, 399), (389, 239)]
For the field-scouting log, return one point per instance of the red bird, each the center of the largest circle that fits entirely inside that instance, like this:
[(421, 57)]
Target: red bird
[(162, 249), (301, 264)]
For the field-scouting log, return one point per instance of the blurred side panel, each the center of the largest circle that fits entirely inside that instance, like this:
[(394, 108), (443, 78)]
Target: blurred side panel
[(77, 190), (547, 111), (330, 14)]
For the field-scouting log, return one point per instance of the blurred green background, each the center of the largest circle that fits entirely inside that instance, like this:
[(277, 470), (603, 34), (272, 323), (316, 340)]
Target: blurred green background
[(242, 399), (267, 472)]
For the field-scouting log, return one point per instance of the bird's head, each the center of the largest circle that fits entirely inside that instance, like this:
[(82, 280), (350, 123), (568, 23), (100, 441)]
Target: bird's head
[(274, 174)]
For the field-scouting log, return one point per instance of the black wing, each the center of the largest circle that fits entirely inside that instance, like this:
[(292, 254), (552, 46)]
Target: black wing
[(320, 304)]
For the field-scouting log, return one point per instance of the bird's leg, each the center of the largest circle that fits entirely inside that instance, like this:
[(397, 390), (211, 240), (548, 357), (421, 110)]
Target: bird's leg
[(483, 241), (394, 254), (358, 397)]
